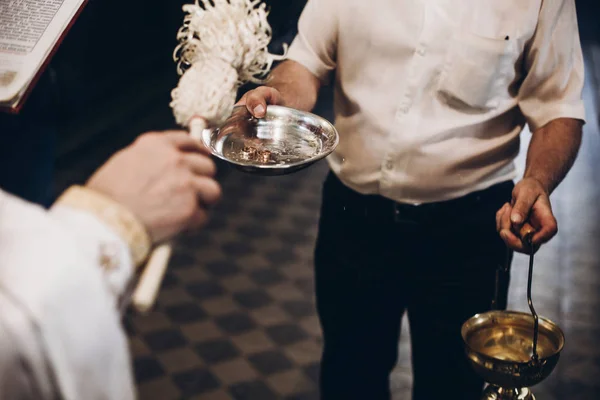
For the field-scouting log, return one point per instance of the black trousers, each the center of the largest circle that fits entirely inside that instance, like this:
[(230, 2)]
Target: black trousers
[(376, 259)]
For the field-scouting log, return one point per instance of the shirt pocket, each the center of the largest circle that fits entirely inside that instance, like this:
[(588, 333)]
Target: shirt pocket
[(477, 71)]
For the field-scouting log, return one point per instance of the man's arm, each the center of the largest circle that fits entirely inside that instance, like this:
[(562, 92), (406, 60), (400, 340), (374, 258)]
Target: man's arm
[(298, 86), (552, 152), (296, 82), (550, 156), (290, 84), (550, 100)]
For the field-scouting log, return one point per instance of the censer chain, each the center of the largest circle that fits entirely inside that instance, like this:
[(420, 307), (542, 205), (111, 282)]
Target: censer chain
[(534, 356)]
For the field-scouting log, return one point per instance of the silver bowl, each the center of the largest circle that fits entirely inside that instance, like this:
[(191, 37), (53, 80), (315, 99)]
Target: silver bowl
[(284, 141)]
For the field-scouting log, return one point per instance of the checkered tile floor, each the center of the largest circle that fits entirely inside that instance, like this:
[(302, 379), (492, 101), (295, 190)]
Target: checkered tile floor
[(236, 319)]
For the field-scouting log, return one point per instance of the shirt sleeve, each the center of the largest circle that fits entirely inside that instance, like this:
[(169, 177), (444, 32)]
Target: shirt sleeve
[(62, 322), (554, 67), (99, 243), (315, 44)]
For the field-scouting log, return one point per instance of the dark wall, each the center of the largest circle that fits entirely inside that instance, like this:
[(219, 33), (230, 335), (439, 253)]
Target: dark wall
[(283, 15), (113, 43), (588, 12)]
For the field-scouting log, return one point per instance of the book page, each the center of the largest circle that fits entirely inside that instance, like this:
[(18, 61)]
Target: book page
[(29, 30)]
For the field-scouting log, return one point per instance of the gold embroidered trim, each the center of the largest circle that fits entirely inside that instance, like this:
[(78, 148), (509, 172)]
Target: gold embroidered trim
[(123, 221)]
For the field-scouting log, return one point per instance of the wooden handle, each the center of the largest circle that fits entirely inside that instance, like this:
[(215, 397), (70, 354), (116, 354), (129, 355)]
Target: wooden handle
[(148, 286), (146, 291), (526, 232), (197, 127)]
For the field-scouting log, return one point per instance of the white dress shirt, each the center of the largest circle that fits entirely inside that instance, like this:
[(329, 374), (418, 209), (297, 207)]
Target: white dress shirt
[(60, 330), (431, 95)]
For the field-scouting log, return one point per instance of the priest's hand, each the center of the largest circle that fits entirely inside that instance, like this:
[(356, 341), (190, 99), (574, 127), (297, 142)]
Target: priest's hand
[(165, 179)]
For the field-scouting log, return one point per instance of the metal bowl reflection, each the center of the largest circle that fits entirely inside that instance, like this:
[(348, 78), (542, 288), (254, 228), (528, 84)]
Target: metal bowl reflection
[(284, 141), (499, 347)]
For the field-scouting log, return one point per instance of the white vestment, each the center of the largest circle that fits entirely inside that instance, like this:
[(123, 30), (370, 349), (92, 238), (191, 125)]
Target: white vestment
[(60, 330)]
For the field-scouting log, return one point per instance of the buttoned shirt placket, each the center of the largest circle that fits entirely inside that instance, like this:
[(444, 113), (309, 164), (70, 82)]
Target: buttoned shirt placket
[(406, 121)]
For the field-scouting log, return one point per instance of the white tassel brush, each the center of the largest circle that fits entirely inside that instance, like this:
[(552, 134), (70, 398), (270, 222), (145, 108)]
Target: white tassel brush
[(223, 44)]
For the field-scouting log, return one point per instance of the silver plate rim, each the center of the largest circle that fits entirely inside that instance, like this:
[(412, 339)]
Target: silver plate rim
[(206, 140)]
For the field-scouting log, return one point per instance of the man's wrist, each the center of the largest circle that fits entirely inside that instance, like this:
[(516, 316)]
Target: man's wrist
[(544, 183), (114, 215)]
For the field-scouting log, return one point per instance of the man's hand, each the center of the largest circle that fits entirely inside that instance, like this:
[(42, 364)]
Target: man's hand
[(290, 84), (256, 100), (166, 179), (530, 203)]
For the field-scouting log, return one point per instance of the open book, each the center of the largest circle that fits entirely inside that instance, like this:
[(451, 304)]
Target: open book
[(30, 33)]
